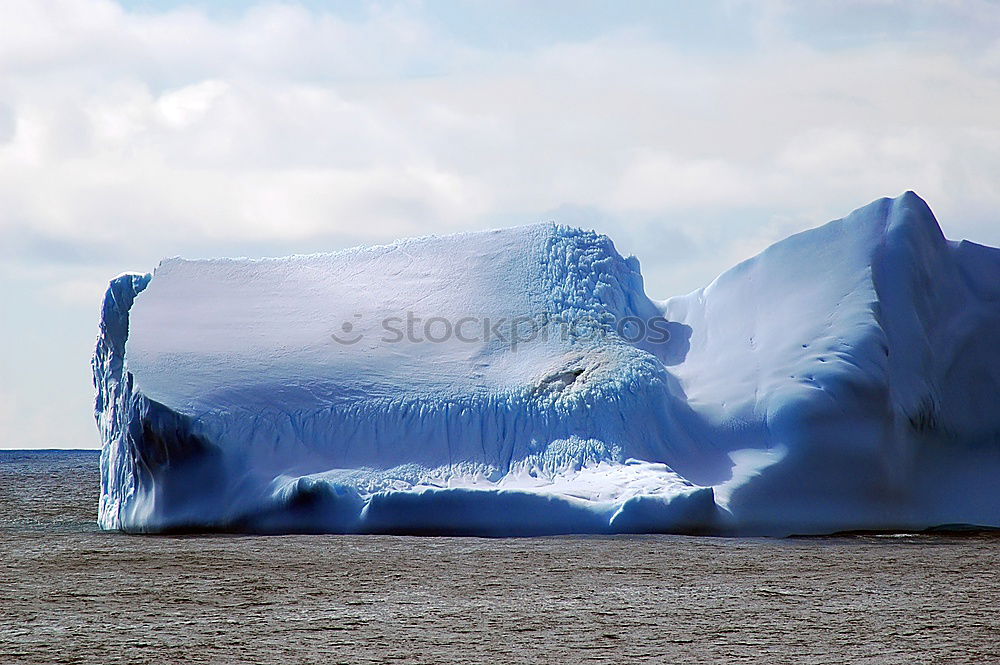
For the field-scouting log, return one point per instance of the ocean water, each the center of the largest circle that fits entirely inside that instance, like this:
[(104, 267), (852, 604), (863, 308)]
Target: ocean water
[(70, 593)]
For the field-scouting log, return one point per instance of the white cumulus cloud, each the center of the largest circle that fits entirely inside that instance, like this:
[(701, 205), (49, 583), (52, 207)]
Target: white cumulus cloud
[(126, 136)]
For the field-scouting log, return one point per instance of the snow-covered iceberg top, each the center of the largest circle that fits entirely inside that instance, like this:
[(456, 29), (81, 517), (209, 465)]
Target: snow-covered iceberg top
[(520, 382)]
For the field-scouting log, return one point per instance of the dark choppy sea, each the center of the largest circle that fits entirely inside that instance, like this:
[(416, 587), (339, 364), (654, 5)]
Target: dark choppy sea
[(72, 594)]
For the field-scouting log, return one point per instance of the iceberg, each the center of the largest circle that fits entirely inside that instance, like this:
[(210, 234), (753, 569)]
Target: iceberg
[(521, 382)]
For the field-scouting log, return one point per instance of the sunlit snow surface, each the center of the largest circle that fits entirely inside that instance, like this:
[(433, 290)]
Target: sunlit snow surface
[(846, 378)]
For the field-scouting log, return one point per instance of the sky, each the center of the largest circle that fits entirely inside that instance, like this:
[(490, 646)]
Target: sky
[(694, 134)]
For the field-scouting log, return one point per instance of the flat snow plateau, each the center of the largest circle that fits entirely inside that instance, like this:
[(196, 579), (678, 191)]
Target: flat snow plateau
[(520, 382)]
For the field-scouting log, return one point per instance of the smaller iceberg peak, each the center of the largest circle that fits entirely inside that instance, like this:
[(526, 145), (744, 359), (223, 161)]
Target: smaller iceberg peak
[(905, 216)]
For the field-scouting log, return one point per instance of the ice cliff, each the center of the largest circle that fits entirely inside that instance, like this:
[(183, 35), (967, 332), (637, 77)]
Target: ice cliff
[(520, 382)]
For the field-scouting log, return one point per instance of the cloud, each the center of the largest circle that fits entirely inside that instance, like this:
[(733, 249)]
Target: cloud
[(289, 123), (126, 136)]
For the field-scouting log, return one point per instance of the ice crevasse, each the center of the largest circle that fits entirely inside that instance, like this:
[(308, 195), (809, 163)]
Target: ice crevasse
[(521, 382)]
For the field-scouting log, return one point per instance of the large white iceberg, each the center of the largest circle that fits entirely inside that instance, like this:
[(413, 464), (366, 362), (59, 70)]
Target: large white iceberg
[(520, 382)]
